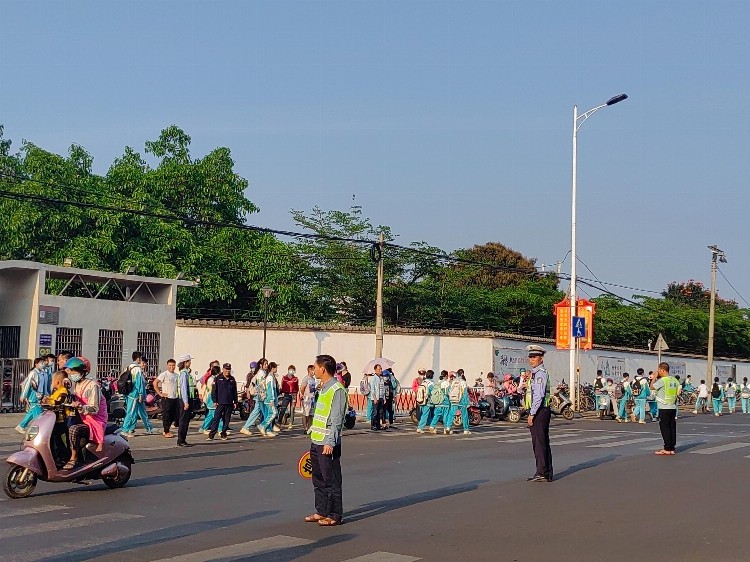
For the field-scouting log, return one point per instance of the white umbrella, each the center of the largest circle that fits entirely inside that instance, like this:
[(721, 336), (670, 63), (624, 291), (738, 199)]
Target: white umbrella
[(382, 361)]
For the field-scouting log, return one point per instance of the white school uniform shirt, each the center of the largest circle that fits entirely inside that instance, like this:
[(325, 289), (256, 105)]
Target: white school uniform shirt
[(702, 391)]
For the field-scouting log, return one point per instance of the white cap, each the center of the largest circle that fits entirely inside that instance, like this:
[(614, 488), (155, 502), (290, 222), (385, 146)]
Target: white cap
[(183, 358)]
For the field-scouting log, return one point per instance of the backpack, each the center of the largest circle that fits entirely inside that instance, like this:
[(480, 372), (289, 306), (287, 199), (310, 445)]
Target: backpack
[(125, 382), (364, 386), (455, 393), (635, 387), (437, 395), (422, 394), (715, 391), (261, 390)]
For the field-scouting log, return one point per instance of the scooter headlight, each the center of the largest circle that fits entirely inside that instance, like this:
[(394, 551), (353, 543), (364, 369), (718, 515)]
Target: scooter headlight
[(32, 432)]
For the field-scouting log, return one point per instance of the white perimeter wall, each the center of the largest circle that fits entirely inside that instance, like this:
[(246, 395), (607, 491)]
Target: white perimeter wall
[(476, 355), (240, 346)]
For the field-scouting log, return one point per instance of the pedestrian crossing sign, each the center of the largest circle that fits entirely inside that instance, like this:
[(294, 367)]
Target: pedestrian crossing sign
[(579, 327), (305, 466)]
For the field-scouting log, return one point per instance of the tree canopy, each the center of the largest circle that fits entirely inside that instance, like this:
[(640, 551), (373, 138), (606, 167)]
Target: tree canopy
[(166, 212)]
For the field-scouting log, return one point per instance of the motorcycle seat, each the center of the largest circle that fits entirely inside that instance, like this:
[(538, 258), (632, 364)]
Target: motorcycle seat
[(111, 428)]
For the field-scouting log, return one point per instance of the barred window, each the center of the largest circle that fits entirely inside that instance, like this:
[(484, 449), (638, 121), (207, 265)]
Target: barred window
[(148, 344), (109, 354), (69, 339), (10, 341)]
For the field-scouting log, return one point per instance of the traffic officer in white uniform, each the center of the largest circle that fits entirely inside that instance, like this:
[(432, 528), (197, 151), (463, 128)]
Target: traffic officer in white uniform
[(537, 403)]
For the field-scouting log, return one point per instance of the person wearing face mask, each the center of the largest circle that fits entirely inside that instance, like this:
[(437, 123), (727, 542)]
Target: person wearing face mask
[(289, 390), (93, 408)]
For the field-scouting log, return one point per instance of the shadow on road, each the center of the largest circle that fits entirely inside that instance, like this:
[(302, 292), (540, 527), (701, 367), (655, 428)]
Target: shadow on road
[(688, 446), (376, 508), (584, 466), (289, 554), (197, 474), (159, 536), (192, 456)]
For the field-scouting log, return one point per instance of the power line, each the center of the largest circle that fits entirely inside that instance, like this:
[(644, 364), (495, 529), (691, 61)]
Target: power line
[(730, 284)]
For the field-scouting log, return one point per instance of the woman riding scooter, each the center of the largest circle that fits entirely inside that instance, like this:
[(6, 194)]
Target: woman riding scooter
[(93, 408)]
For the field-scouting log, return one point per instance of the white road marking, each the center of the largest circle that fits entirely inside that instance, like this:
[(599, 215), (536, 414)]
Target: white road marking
[(496, 435), (383, 557), (63, 524), (583, 440), (244, 549), (32, 511), (720, 448), (628, 442), (528, 438)]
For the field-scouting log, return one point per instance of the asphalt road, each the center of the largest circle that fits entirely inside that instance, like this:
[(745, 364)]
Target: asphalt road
[(406, 497)]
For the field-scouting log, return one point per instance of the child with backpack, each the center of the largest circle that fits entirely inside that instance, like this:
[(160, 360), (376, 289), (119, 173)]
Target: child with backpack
[(256, 389), (717, 397), (440, 399), (423, 401), (459, 399), (730, 391)]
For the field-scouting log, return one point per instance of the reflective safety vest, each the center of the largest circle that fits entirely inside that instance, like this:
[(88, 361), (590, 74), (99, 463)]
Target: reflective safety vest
[(527, 398), (320, 429), (671, 390)]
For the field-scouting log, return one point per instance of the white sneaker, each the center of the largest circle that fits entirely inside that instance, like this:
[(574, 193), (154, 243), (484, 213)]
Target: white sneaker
[(20, 430), (420, 430), (433, 431), (245, 431), (127, 434), (467, 432), (229, 432), (276, 428), (446, 431), (153, 431), (269, 434), (289, 426), (695, 412), (204, 431), (262, 431), (309, 431)]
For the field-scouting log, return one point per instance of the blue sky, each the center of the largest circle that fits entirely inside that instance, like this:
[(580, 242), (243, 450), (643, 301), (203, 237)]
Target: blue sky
[(451, 121)]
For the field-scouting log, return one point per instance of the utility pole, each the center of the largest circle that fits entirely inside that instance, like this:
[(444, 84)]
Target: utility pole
[(716, 256), (379, 301)]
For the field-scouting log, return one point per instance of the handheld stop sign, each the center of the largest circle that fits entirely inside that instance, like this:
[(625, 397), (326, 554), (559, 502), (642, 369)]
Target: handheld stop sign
[(305, 466)]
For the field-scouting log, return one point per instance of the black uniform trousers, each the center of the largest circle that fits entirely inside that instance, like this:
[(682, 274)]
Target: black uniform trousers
[(668, 427), (326, 479), (540, 442), (170, 412), (223, 412), (184, 423)]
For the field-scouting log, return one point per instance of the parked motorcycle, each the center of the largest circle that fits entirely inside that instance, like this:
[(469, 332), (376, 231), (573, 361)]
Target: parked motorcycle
[(560, 404), (35, 461), (503, 404)]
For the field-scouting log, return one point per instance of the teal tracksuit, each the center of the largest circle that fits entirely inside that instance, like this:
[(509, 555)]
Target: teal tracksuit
[(718, 403), (211, 407), (730, 390), (640, 402), (30, 393), (626, 395), (428, 410), (134, 408), (441, 411), (463, 405), (270, 404), (745, 398)]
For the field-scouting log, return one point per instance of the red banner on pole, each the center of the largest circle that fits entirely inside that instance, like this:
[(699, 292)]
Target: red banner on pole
[(562, 324)]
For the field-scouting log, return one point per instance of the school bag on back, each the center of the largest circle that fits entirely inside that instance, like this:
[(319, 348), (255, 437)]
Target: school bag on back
[(364, 386), (437, 395), (422, 394), (715, 391), (635, 387), (125, 382), (455, 392)]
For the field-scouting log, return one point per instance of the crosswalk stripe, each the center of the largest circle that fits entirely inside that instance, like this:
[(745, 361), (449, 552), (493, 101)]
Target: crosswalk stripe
[(528, 438), (383, 557), (63, 524), (583, 440), (245, 549), (628, 442), (721, 448), (495, 435), (32, 511)]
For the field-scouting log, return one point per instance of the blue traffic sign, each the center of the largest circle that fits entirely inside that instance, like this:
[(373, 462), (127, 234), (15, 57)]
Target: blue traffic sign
[(579, 327)]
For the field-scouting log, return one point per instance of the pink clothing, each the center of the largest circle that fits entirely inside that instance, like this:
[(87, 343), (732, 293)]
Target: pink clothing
[(88, 391)]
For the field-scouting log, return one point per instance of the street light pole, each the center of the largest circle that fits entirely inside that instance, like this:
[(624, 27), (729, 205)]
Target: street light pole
[(379, 301), (578, 120), (267, 292), (716, 256)]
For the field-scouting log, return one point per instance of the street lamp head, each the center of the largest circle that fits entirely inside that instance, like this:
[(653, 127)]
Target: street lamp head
[(267, 291), (617, 99)]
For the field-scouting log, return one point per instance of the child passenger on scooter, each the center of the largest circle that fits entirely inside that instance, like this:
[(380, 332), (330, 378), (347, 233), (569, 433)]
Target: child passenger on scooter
[(58, 398)]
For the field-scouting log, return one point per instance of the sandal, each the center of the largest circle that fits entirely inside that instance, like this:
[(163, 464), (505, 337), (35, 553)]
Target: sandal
[(314, 518), (70, 465), (662, 452), (328, 522)]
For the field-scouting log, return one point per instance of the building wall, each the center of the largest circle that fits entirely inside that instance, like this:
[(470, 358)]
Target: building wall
[(475, 354), (240, 346), (92, 315), (18, 304)]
